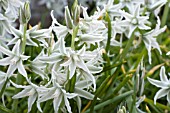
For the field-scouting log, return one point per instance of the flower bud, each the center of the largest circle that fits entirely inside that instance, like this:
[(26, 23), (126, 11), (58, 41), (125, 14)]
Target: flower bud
[(22, 19), (25, 13), (76, 15), (69, 21)]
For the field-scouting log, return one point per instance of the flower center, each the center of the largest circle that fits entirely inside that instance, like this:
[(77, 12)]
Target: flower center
[(134, 21)]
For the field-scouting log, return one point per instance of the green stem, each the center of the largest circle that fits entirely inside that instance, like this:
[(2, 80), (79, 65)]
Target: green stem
[(24, 38), (75, 31)]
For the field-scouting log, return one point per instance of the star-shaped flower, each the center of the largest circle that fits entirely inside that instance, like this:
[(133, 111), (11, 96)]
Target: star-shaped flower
[(149, 38), (29, 90), (58, 94), (14, 60), (164, 84), (31, 35), (133, 20)]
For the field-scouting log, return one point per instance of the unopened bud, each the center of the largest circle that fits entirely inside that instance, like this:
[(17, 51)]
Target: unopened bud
[(69, 21), (25, 13), (76, 15)]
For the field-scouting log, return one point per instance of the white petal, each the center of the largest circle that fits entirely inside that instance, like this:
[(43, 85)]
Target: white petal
[(82, 65), (163, 76), (16, 48), (131, 30), (56, 103), (78, 100), (21, 94), (83, 84), (5, 61), (158, 83), (6, 51), (67, 104), (21, 68), (160, 93), (31, 101), (49, 95), (19, 86), (83, 93), (168, 53), (72, 69), (11, 69), (62, 46), (168, 97)]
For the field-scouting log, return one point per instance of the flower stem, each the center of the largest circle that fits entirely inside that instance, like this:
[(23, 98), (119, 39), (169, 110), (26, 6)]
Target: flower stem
[(24, 38), (75, 31)]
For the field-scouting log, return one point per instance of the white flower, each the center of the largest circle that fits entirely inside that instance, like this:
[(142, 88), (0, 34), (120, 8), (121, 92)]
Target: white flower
[(38, 67), (58, 95), (29, 90), (75, 60), (14, 60), (60, 30), (31, 34), (149, 38), (129, 3), (155, 5), (4, 25), (11, 8), (164, 84), (112, 9), (168, 53), (134, 20)]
